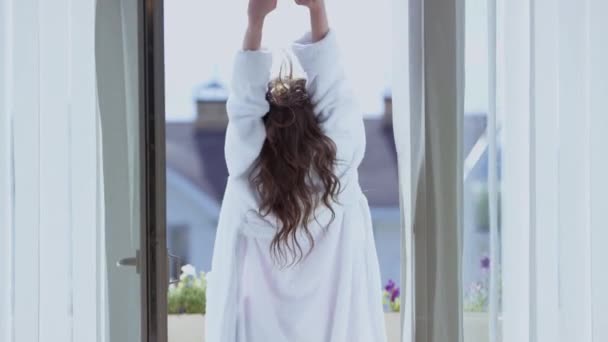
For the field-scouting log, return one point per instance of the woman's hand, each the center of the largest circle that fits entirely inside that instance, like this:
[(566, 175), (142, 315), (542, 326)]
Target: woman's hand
[(319, 24), (259, 9), (311, 4), (257, 12)]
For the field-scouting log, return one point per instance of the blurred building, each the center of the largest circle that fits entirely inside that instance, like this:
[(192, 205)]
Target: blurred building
[(211, 106), (197, 174)]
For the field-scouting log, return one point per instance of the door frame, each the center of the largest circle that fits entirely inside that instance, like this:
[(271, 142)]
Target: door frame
[(153, 245)]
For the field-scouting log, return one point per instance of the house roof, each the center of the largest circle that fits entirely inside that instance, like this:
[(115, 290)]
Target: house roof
[(378, 174), (198, 155)]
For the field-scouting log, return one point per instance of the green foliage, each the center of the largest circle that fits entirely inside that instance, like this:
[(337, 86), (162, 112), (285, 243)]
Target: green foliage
[(189, 296), (476, 299), (391, 297), (482, 204), (393, 305), (477, 296)]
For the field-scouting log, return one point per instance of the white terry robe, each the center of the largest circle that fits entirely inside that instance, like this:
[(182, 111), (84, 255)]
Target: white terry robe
[(334, 294)]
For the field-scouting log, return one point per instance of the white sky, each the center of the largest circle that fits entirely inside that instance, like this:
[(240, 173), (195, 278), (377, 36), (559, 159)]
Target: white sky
[(201, 37)]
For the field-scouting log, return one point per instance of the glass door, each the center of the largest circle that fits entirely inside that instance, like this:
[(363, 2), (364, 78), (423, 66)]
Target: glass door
[(132, 134), (201, 39)]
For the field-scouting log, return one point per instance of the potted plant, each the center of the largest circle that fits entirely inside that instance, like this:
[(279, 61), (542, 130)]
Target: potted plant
[(186, 306), (391, 298), (476, 301)]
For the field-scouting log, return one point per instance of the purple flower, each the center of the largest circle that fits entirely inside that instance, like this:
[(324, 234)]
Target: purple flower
[(485, 263), (394, 294), (390, 286)]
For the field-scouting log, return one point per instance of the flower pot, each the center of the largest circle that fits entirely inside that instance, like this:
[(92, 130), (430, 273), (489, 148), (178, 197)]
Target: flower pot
[(392, 320), (191, 328), (477, 327), (186, 328)]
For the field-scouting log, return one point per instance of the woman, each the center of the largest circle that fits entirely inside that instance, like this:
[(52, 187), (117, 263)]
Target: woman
[(294, 257)]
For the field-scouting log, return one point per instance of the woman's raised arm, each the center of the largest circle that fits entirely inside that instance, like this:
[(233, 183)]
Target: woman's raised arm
[(319, 24), (247, 103), (328, 87), (256, 14)]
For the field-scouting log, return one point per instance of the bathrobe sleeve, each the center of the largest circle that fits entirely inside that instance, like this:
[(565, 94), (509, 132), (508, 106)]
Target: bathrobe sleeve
[(246, 106), (333, 99)]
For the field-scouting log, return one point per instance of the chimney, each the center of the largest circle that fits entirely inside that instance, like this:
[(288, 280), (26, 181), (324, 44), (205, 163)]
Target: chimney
[(211, 100), (388, 108)]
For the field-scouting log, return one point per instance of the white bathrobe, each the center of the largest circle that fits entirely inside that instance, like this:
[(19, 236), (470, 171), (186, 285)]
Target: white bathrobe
[(334, 294)]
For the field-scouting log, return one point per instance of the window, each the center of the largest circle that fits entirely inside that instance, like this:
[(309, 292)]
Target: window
[(479, 253)]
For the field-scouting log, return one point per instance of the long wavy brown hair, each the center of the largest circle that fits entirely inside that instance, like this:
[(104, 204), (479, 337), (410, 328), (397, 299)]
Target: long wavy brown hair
[(294, 173)]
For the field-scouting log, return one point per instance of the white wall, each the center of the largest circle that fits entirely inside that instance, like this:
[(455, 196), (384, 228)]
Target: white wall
[(188, 206)]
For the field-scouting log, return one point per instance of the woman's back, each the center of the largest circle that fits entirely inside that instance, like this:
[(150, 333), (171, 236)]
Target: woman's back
[(331, 295), (331, 289)]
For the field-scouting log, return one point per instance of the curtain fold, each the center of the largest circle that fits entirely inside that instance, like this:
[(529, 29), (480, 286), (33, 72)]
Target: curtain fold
[(428, 105), (545, 108), (6, 197), (598, 140), (406, 75), (87, 267), (24, 46), (48, 172), (6, 176), (553, 87), (514, 106)]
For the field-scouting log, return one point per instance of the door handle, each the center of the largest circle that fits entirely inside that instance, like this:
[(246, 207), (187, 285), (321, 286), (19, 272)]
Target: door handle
[(134, 261), (130, 262), (127, 262)]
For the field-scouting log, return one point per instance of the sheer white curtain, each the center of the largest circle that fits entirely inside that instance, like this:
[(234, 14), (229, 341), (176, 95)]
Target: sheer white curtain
[(428, 116), (6, 197), (49, 222), (553, 98)]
